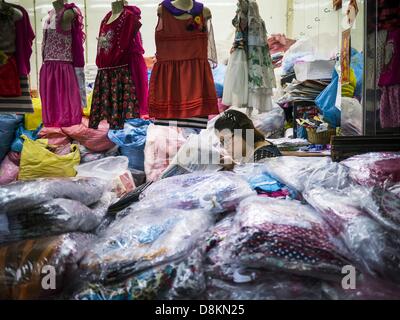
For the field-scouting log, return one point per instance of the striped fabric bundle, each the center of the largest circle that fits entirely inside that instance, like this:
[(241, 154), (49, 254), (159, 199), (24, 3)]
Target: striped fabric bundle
[(22, 104)]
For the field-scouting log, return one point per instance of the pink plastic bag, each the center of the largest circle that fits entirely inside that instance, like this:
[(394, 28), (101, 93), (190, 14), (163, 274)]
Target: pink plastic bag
[(55, 136), (15, 157), (162, 145), (8, 171), (94, 140)]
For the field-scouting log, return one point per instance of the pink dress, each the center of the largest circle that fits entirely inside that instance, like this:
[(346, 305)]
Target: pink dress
[(59, 86)]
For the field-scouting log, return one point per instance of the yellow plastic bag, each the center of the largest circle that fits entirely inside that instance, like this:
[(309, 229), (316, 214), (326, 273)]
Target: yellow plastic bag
[(39, 162), (33, 120), (86, 111)]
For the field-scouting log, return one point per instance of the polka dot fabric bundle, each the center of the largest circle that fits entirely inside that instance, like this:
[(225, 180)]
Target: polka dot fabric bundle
[(287, 236)]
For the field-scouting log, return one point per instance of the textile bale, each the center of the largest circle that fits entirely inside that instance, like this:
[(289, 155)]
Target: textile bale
[(39, 162), (23, 262), (114, 170), (162, 144), (8, 125), (8, 171), (131, 141), (94, 140), (34, 120), (54, 136)]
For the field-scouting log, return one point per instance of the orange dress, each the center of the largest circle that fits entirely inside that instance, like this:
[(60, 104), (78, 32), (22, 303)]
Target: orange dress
[(181, 84)]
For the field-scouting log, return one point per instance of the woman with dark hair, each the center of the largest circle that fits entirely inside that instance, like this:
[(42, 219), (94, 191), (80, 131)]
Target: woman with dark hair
[(241, 139)]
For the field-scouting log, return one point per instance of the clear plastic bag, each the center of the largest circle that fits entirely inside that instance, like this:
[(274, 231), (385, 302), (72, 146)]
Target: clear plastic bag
[(200, 152), (54, 217), (287, 236), (373, 248), (293, 171), (272, 123), (113, 170), (20, 195), (26, 263), (217, 192), (375, 168), (142, 240)]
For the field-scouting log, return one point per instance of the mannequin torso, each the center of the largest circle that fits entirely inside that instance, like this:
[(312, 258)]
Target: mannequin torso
[(116, 8), (68, 16), (186, 5)]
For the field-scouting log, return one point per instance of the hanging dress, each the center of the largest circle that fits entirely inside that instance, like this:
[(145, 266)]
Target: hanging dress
[(16, 39), (114, 94), (138, 68), (62, 52), (182, 90)]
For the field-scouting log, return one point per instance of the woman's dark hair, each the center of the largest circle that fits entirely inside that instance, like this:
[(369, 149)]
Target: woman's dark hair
[(236, 120)]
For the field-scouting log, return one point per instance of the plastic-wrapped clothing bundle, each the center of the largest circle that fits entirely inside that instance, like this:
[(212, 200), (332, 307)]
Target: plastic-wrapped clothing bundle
[(113, 170), (8, 125), (53, 217), (143, 240), (89, 156), (293, 171), (8, 171), (201, 152), (284, 235), (17, 196), (147, 285), (374, 168), (131, 141), (95, 140), (373, 247), (162, 144), (23, 263), (272, 123), (216, 192)]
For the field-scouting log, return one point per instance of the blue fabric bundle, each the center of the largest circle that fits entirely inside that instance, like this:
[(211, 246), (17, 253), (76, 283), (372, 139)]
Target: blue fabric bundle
[(131, 141), (8, 124), (18, 141)]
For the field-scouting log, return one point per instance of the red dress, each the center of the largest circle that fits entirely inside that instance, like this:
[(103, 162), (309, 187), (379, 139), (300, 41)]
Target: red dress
[(181, 84)]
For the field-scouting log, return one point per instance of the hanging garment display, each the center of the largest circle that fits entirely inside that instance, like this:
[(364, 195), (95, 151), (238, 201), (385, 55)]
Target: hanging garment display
[(62, 51), (182, 91), (16, 37), (250, 54), (139, 69), (114, 95)]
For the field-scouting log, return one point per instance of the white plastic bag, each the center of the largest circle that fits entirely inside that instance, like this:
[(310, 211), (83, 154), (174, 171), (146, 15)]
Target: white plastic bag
[(112, 169)]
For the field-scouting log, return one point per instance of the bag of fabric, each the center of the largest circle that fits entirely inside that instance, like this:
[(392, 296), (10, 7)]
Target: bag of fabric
[(25, 263), (376, 168), (162, 144), (142, 240), (8, 125), (54, 217), (37, 161), (131, 142), (271, 124), (54, 136), (215, 192), (114, 170), (18, 141), (286, 236), (34, 120), (24, 194), (8, 171), (95, 140)]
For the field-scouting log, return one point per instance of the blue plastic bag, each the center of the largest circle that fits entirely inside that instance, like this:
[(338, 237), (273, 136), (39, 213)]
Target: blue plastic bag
[(131, 141), (326, 102), (8, 125), (357, 64), (19, 142)]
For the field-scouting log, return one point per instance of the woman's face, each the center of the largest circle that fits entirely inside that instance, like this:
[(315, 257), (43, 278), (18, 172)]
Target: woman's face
[(232, 143)]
